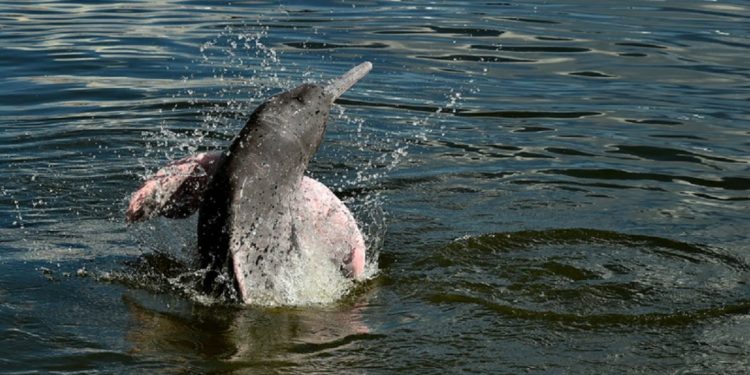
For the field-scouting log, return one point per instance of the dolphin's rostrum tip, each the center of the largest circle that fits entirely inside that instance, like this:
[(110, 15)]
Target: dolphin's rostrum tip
[(338, 86)]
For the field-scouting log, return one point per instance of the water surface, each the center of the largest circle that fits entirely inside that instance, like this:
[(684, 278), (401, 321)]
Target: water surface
[(548, 187)]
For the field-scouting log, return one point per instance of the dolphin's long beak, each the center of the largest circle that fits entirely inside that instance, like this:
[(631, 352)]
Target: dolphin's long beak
[(340, 85)]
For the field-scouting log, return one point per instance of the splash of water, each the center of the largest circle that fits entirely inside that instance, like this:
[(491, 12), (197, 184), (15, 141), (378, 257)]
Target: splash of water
[(242, 70)]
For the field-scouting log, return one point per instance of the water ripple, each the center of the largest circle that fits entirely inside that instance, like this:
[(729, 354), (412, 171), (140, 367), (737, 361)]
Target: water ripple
[(726, 183), (588, 278)]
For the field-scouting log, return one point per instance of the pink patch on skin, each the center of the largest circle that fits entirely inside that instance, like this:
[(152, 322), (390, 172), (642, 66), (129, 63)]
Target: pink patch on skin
[(333, 222)]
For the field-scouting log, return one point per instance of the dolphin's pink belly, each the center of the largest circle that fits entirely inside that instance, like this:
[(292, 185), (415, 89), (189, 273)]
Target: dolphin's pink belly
[(332, 221)]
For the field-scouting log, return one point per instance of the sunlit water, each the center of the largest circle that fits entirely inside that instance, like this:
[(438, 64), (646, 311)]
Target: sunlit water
[(546, 187)]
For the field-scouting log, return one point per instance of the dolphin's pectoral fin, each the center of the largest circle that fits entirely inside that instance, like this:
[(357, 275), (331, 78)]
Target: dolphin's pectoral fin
[(175, 191)]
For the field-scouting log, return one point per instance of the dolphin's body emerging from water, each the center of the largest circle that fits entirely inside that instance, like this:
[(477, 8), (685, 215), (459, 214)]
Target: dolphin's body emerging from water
[(257, 210)]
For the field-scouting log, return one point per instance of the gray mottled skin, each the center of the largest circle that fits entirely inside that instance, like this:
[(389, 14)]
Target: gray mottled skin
[(248, 205)]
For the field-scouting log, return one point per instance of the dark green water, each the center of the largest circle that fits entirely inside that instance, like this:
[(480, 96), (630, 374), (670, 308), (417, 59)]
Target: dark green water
[(548, 187)]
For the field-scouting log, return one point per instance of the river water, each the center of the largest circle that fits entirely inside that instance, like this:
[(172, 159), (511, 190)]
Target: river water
[(547, 187)]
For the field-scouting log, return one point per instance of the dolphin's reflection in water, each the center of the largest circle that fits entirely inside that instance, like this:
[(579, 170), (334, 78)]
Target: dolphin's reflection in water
[(231, 336)]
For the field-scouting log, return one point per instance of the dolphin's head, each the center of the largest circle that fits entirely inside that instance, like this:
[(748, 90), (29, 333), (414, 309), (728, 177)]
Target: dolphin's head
[(296, 119), (299, 117)]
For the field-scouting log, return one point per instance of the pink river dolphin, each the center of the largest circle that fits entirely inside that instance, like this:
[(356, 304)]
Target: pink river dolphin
[(254, 201)]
